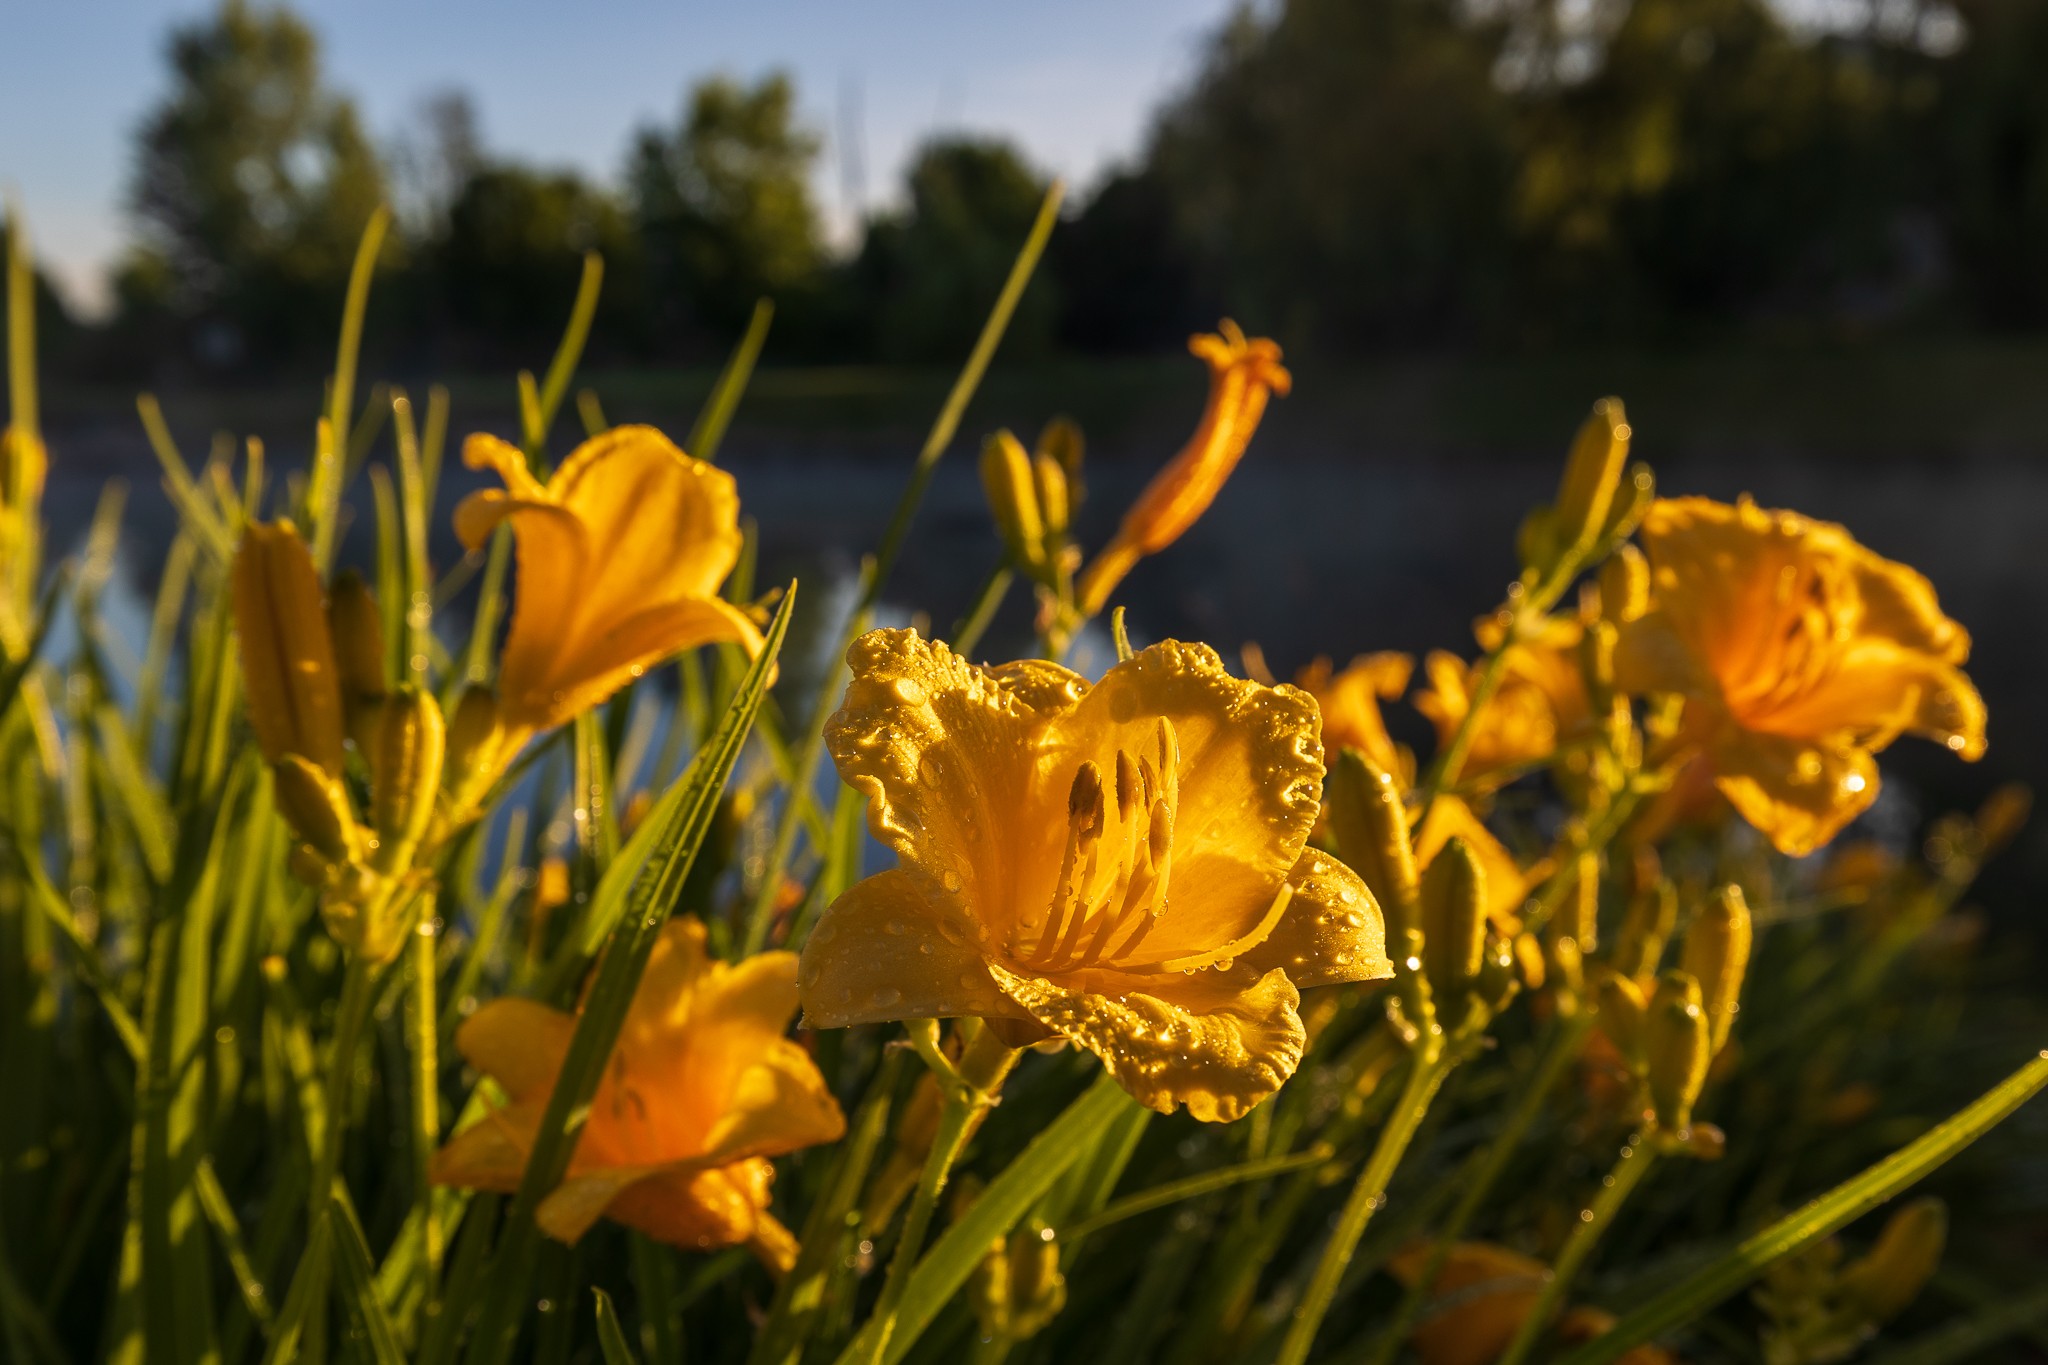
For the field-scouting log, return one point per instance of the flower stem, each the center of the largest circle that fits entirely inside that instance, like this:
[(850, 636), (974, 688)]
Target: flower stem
[(1478, 1180), (967, 635), (1629, 1169), (969, 1090), (1433, 1062)]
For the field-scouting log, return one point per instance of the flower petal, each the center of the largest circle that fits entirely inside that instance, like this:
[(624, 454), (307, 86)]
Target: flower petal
[(609, 655), (1251, 779), (666, 526), (490, 1154), (1507, 883), (485, 451), (896, 946), (1650, 656), (1876, 689), (518, 1043), (1224, 1040), (1900, 604), (943, 752), (1797, 793), (1332, 931), (698, 1210), (1350, 703), (780, 1103)]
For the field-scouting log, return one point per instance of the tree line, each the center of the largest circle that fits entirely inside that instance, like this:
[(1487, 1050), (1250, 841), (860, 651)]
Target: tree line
[(1342, 174)]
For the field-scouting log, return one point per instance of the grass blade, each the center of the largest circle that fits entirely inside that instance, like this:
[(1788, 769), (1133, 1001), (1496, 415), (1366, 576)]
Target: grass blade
[(611, 1338), (709, 431), (358, 1284), (604, 1010), (1712, 1284)]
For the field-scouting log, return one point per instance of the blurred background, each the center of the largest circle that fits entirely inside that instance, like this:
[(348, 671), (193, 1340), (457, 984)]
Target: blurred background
[(1805, 240)]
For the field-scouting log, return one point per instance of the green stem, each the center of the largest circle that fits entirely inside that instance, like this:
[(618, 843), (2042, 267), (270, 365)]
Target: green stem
[(1634, 1163), (969, 1091), (1478, 1180), (423, 1023), (967, 635), (1432, 1064)]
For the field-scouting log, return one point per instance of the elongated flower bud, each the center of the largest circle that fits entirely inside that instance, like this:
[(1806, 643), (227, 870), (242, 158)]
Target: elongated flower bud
[(1453, 918), (1646, 928), (1062, 443), (1717, 955), (1592, 474), (1621, 1006), (1011, 486), (1676, 1049), (1624, 585), (358, 630), (1370, 823), (2003, 814), (406, 769), (1891, 1276), (316, 806), (288, 666), (1018, 1287), (1631, 503), (1055, 500), (1580, 920)]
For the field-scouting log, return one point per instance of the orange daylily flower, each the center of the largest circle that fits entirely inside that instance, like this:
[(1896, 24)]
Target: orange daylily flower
[(1243, 374), (701, 1090), (1800, 654), (1350, 703), (1484, 1292), (1541, 700), (1124, 865), (621, 554)]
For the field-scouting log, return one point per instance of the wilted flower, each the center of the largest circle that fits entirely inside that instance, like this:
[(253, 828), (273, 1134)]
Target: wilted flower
[(1800, 655), (1350, 703), (701, 1090), (621, 555), (1243, 374), (1123, 865)]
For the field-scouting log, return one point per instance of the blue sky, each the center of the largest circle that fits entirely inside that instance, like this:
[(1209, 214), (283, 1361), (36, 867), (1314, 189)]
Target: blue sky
[(1073, 81)]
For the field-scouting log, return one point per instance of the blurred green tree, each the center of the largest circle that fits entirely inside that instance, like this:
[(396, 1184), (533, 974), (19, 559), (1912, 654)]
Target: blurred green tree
[(722, 204), (1991, 159), (251, 187), (928, 274)]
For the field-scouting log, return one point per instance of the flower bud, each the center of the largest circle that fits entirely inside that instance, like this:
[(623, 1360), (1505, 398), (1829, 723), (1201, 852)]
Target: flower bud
[(1453, 918), (1676, 1049), (288, 665), (1370, 824), (1018, 1288), (1717, 956), (1646, 928), (1880, 1284), (1624, 585), (1055, 500), (477, 749), (1621, 1006), (316, 806), (1011, 486), (1638, 490), (1592, 475), (406, 772), (1061, 441), (1564, 967)]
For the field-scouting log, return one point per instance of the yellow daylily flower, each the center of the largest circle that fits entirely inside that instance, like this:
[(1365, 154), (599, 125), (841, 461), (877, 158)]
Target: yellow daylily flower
[(1540, 702), (1800, 655), (1124, 865), (1482, 1294), (1350, 703), (621, 554), (1243, 375), (701, 1090)]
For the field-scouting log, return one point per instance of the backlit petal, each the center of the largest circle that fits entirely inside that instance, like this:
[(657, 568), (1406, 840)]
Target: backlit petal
[(490, 1154), (1210, 1041), (1507, 882), (781, 1103), (698, 1210), (1797, 793), (664, 525), (896, 946), (1332, 931), (518, 1043), (1251, 776), (609, 655)]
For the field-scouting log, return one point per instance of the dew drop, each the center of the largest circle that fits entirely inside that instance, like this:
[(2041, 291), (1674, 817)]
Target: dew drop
[(950, 880)]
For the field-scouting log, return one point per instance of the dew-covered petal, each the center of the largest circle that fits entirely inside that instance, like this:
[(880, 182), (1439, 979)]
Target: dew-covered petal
[(896, 946), (1332, 931), (1797, 793), (943, 753), (1216, 1041)]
